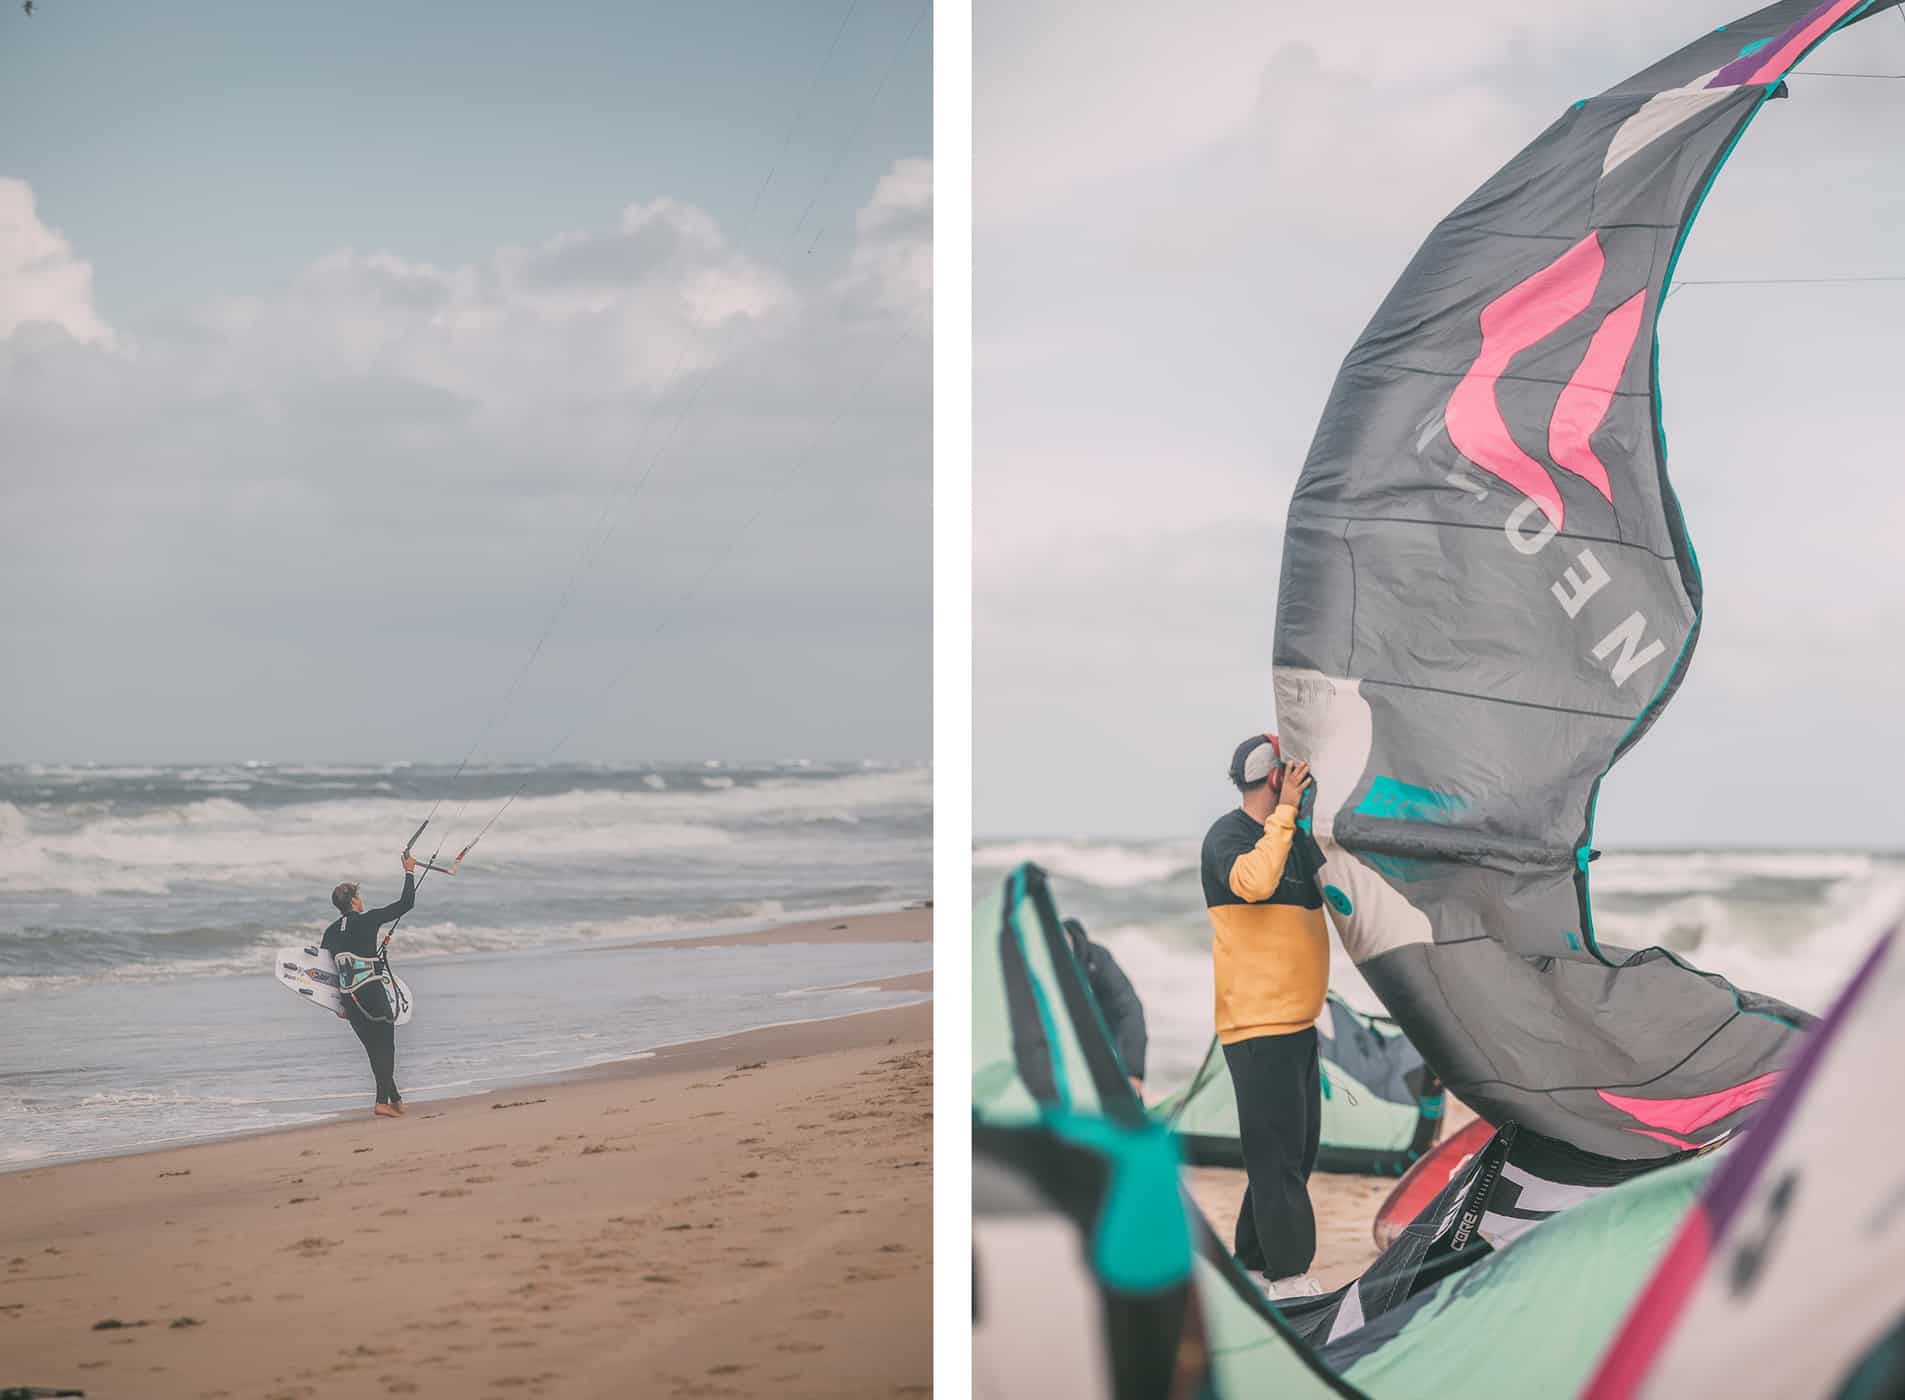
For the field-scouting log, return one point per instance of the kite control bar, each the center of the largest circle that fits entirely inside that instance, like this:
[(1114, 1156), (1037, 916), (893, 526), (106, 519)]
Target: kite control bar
[(449, 869)]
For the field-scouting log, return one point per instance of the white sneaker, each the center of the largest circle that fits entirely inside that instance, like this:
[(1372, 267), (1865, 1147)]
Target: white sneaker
[(1295, 1286)]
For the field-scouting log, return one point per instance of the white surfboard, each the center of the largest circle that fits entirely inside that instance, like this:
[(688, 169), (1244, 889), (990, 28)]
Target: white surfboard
[(312, 974)]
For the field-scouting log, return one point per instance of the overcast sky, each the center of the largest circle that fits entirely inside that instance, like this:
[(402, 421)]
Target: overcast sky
[(1183, 217), (334, 339)]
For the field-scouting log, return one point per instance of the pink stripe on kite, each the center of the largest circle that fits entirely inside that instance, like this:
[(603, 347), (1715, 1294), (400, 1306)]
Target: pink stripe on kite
[(1529, 311), (1625, 1364), (1584, 402), (1788, 53), (1687, 1115)]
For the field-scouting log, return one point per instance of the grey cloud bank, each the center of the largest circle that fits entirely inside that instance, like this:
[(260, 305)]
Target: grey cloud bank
[(326, 520)]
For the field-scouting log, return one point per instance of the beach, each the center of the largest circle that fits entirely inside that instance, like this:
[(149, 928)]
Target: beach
[(744, 1215), (143, 910), (1345, 1208)]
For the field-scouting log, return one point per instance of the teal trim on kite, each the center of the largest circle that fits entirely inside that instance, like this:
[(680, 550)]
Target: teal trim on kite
[(1399, 801), (1135, 1246), (1046, 1022)]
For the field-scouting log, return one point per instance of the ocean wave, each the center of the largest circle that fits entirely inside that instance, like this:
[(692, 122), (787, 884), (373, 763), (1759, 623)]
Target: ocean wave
[(1791, 924), (1108, 865), (220, 841), (91, 958), (1689, 872)]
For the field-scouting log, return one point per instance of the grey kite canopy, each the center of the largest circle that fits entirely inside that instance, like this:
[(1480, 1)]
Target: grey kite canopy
[(1488, 594)]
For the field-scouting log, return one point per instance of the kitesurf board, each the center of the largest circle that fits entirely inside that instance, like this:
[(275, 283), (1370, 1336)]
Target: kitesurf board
[(1424, 1181), (311, 973)]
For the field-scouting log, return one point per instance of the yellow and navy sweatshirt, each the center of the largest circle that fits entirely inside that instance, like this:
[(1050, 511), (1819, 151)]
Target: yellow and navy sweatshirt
[(1270, 952)]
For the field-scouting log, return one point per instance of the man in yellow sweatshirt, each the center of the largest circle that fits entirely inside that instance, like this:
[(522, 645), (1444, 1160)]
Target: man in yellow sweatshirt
[(1270, 958)]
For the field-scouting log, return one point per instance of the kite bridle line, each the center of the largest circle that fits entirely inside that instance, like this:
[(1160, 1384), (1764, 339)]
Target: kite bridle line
[(606, 522), (686, 596), (620, 494)]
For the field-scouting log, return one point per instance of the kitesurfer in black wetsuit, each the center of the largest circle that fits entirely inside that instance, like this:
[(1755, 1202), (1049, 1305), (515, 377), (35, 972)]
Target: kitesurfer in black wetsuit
[(356, 932), (1116, 998)]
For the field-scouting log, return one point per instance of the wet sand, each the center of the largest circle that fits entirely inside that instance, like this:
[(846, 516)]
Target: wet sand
[(744, 1216), (911, 925)]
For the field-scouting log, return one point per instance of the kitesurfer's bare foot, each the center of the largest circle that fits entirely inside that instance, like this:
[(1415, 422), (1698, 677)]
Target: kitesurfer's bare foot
[(384, 1110), (398, 1105)]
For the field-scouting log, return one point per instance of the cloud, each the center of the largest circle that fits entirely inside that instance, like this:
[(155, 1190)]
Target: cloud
[(417, 457), (1067, 97), (42, 282), (892, 268)]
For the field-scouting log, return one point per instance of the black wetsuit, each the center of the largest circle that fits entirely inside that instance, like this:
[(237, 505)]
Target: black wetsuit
[(357, 933), (1117, 999)]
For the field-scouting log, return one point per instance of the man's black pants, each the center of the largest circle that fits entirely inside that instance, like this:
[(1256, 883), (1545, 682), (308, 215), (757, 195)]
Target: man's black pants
[(1280, 1110), (380, 1043)]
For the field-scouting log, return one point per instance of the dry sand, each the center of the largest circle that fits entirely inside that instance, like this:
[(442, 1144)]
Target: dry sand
[(745, 1216), (1345, 1207)]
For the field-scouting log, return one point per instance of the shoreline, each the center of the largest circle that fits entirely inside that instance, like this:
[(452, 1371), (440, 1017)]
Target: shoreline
[(745, 1214), (911, 925), (882, 925)]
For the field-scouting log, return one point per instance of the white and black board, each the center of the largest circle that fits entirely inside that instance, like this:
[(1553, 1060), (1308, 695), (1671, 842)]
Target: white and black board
[(312, 974)]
